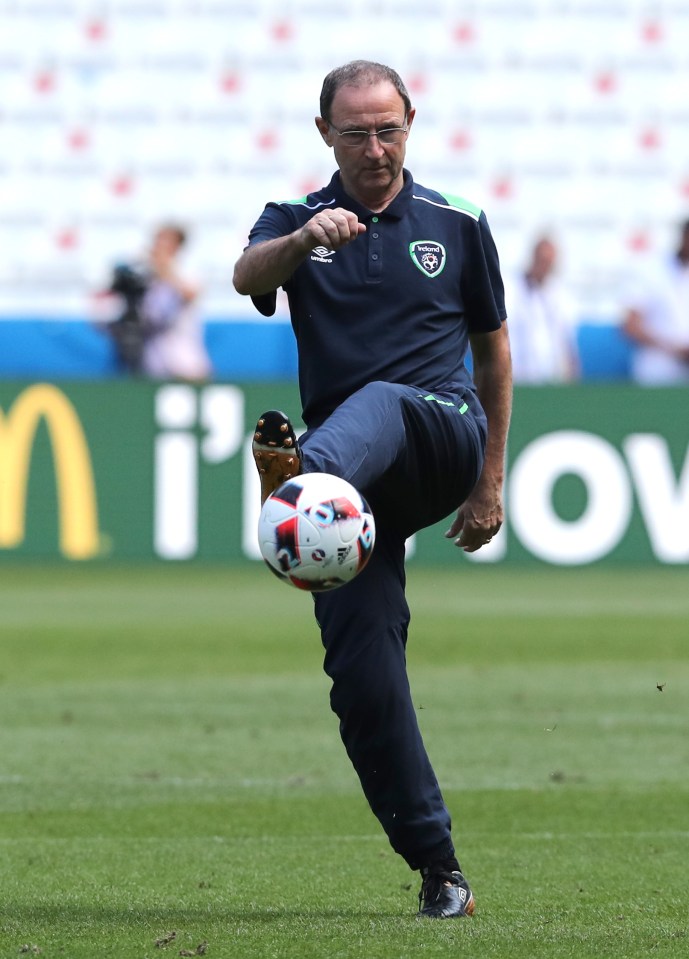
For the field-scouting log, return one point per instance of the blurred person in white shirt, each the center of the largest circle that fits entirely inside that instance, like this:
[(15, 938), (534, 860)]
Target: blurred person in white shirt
[(540, 318), (656, 319)]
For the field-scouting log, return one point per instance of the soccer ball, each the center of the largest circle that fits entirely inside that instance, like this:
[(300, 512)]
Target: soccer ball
[(316, 532)]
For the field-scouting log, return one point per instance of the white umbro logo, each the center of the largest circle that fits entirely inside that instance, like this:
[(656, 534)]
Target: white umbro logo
[(321, 254)]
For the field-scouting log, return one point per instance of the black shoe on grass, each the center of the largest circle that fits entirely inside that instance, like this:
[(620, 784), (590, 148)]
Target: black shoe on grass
[(444, 895)]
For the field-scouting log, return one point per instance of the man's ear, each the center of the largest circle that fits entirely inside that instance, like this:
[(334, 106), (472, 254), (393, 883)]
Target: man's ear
[(324, 130)]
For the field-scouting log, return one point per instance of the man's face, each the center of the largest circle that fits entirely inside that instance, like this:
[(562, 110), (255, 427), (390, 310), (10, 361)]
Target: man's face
[(371, 169), (165, 243), (544, 259)]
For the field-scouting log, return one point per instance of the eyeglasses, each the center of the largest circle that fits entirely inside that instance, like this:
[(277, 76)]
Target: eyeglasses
[(357, 138)]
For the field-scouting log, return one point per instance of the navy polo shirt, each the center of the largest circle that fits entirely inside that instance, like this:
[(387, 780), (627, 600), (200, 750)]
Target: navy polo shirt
[(396, 304)]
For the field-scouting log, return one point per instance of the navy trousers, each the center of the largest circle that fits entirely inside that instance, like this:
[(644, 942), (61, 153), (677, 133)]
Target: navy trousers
[(415, 456)]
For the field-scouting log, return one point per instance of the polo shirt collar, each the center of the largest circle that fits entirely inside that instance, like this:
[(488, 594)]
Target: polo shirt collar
[(396, 210)]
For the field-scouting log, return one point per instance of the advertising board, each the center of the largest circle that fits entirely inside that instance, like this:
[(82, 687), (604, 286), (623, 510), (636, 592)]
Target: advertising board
[(122, 471)]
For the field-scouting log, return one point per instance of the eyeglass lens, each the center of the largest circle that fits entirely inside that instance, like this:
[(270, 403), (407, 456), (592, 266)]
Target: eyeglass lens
[(359, 137)]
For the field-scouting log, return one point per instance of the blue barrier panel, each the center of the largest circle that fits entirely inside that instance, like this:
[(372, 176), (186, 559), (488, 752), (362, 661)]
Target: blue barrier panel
[(604, 352), (244, 350), (74, 349)]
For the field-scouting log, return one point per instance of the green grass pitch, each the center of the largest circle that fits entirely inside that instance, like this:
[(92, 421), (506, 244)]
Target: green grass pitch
[(172, 780)]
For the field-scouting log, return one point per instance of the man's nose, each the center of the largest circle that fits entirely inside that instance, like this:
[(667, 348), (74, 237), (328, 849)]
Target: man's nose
[(374, 147)]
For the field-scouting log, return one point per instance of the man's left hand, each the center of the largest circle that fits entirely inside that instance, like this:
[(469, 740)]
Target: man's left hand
[(478, 519)]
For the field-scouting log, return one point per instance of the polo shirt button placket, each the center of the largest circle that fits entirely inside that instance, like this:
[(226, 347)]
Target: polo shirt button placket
[(375, 251)]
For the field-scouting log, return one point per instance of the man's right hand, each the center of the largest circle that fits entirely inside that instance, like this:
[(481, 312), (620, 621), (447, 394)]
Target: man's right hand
[(265, 266), (332, 228)]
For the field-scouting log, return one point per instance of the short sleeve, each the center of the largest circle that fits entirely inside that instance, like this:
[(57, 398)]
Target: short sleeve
[(274, 222), (482, 286)]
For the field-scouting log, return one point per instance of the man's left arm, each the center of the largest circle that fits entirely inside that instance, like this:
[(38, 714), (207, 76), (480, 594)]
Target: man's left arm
[(481, 515)]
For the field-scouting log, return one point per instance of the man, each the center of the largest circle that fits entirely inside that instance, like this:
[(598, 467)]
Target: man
[(656, 319), (542, 335), (175, 349), (159, 332), (387, 282)]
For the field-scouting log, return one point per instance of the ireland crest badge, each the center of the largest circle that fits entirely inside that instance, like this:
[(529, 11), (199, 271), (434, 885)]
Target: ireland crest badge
[(428, 256)]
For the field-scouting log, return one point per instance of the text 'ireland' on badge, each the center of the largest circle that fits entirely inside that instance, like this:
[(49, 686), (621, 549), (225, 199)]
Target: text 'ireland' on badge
[(428, 256)]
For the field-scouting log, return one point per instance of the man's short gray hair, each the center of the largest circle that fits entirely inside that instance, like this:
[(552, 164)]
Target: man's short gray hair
[(359, 73)]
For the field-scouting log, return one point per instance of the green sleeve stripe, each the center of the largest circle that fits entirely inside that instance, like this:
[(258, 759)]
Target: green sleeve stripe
[(459, 203)]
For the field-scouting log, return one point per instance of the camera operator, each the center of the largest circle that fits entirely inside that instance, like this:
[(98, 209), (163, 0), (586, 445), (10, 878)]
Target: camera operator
[(157, 331)]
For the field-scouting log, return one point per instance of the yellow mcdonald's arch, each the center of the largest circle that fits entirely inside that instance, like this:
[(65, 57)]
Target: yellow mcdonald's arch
[(76, 492)]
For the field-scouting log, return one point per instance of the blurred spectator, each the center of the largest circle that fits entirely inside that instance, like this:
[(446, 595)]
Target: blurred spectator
[(656, 319), (151, 313), (540, 319)]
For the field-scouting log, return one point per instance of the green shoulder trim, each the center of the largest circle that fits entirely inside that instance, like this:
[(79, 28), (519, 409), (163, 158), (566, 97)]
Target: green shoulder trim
[(302, 199), (466, 206)]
